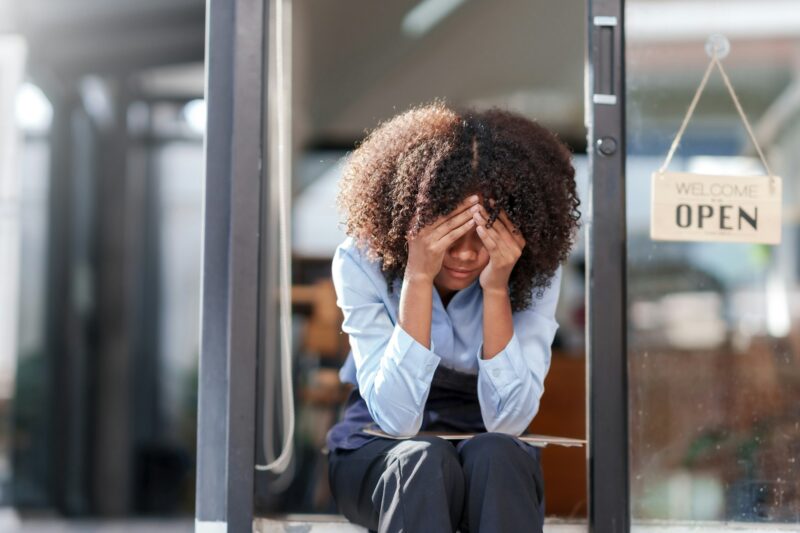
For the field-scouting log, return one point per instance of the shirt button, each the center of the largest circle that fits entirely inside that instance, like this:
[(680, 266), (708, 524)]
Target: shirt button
[(496, 372)]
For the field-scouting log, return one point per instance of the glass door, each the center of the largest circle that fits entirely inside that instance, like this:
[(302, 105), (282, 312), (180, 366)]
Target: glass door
[(713, 338)]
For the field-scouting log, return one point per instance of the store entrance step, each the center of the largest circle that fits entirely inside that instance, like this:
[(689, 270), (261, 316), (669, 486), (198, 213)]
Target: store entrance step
[(309, 523)]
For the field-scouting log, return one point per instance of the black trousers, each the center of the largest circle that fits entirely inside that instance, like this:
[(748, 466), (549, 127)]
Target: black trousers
[(427, 485)]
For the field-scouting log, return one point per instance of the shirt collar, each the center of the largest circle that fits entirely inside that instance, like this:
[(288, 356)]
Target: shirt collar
[(459, 295)]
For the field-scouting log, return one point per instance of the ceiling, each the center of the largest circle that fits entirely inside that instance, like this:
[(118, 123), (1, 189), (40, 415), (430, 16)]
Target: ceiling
[(110, 36), (353, 65)]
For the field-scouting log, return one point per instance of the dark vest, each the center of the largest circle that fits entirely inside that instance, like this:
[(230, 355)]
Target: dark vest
[(452, 406)]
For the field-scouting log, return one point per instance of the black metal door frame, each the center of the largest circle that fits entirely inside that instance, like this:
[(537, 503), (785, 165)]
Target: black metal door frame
[(234, 151), (606, 289)]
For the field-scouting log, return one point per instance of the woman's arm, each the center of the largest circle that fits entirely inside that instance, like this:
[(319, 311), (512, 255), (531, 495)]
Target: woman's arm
[(515, 354), (511, 379), (393, 370), (497, 324), (416, 308)]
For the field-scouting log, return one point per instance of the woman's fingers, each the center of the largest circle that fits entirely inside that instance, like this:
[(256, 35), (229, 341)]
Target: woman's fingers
[(488, 241), (512, 229), (498, 232), (456, 233), (502, 248), (451, 224), (460, 208)]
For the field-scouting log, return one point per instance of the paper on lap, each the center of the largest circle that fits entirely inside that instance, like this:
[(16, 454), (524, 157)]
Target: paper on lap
[(535, 440)]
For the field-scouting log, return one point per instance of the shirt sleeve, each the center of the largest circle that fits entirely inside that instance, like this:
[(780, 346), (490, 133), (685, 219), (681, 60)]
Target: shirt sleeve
[(511, 384), (393, 370)]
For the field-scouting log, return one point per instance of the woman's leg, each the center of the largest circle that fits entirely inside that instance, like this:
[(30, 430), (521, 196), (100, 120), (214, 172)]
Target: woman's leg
[(505, 486), (412, 485)]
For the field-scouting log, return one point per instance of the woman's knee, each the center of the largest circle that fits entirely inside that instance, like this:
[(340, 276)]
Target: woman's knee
[(428, 463), (497, 452), (488, 446), (502, 477), (428, 454)]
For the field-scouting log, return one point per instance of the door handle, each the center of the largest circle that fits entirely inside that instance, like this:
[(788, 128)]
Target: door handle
[(604, 29)]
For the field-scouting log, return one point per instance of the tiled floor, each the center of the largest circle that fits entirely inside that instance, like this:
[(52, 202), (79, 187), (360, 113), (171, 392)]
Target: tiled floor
[(11, 522), (93, 526)]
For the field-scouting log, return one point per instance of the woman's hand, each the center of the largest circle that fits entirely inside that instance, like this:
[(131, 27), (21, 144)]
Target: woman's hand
[(426, 249), (504, 243)]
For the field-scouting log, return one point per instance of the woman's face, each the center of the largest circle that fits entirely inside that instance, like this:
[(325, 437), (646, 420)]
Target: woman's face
[(466, 254)]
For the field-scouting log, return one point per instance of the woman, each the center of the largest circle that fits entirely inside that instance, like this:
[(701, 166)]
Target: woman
[(457, 224)]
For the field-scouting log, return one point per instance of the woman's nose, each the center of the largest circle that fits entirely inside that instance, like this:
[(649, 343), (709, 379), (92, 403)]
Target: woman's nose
[(463, 251)]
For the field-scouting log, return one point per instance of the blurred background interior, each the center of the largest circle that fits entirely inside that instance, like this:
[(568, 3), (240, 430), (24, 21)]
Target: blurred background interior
[(101, 195)]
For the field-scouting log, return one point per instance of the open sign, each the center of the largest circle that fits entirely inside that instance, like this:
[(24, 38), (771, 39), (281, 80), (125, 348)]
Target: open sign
[(702, 207)]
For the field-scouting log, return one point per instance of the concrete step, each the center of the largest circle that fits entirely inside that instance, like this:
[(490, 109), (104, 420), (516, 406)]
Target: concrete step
[(338, 524)]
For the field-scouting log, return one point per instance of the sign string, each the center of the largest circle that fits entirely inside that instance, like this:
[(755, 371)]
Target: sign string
[(715, 62)]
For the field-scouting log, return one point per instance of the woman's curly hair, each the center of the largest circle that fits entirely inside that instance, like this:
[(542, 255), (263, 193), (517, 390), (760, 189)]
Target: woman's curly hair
[(420, 164)]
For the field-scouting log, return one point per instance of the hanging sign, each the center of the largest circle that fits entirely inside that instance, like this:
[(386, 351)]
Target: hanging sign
[(703, 207)]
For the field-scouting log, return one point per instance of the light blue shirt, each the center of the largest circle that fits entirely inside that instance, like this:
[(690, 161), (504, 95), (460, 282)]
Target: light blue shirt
[(393, 371)]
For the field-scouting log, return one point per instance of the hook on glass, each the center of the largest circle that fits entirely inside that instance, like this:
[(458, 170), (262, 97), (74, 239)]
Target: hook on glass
[(717, 44)]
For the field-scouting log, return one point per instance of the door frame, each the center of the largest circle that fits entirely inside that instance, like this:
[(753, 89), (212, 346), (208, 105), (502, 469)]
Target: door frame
[(606, 273)]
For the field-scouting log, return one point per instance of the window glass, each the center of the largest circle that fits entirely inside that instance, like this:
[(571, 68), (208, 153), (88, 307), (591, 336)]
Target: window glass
[(714, 337)]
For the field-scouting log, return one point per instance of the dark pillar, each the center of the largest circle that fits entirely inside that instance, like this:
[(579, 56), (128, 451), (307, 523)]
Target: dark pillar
[(235, 60), (116, 266), (69, 304)]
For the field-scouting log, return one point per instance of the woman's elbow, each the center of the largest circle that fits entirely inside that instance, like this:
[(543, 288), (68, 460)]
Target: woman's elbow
[(513, 422), (400, 426), (394, 420)]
